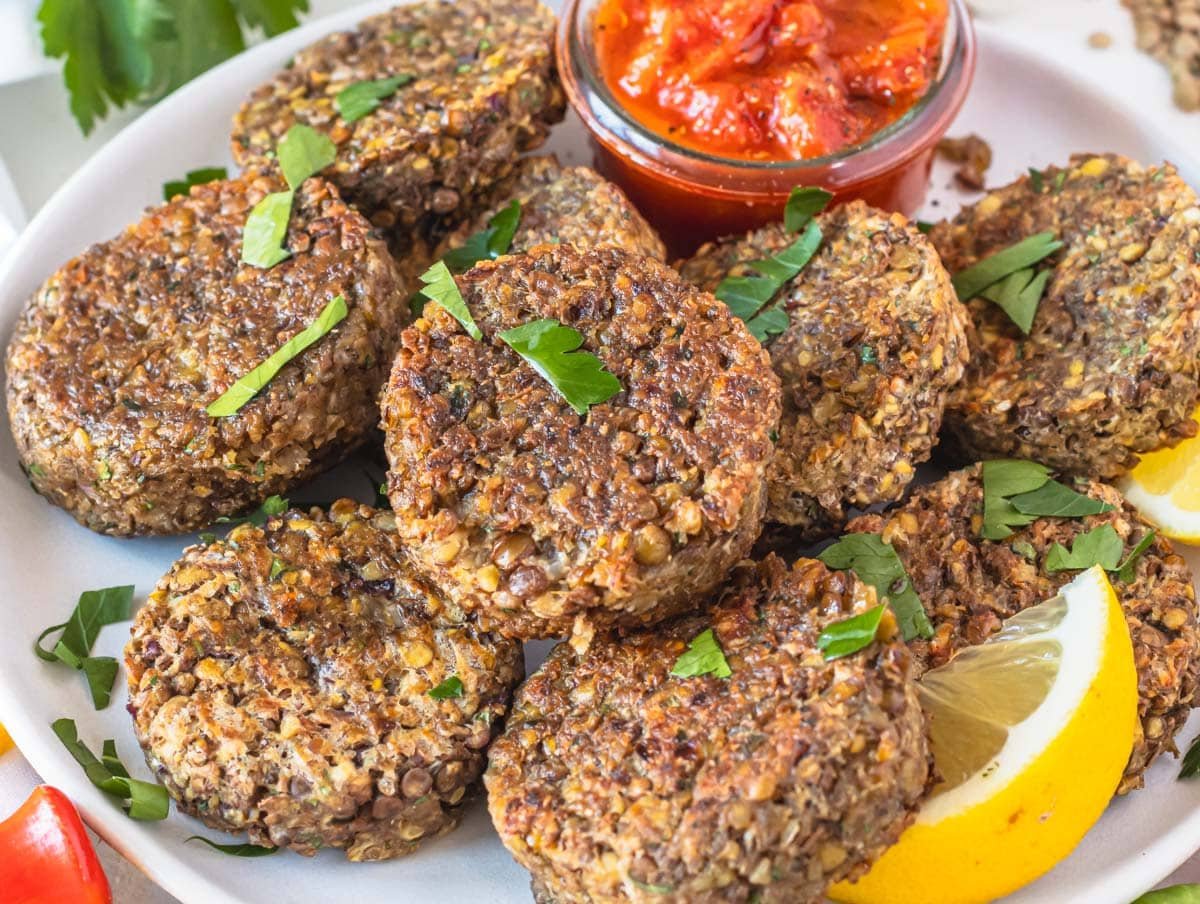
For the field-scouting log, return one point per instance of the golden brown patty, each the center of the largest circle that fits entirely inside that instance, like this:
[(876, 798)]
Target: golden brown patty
[(532, 516), (571, 206), (280, 685), (615, 780), (970, 585), (485, 89), (875, 343), (1110, 367), (115, 358)]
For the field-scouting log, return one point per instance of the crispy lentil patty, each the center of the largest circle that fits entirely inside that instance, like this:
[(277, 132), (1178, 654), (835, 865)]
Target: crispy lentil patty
[(969, 585), (876, 341), (572, 206), (279, 685), (116, 356), (615, 778), (533, 516), (485, 89), (1109, 368)]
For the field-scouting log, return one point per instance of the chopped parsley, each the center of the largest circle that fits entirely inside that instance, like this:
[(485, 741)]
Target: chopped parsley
[(551, 349), (194, 177), (277, 568), (95, 609), (703, 656), (361, 98), (851, 634), (141, 800), (1007, 278), (440, 287), (489, 243), (449, 689), (271, 506), (1016, 493), (248, 386), (877, 564), (243, 849)]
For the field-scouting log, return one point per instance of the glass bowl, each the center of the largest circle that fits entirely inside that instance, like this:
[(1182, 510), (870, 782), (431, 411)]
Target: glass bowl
[(691, 197)]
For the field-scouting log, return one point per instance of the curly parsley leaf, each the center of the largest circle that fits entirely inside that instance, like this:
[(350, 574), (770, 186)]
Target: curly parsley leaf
[(441, 287), (361, 98), (703, 656), (488, 244), (1100, 546), (194, 177), (449, 689), (142, 800), (552, 350), (94, 610), (877, 564), (245, 388), (803, 204), (303, 152), (243, 849), (851, 634)]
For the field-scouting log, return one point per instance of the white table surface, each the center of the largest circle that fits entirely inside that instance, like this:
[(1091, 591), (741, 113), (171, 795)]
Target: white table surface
[(41, 146)]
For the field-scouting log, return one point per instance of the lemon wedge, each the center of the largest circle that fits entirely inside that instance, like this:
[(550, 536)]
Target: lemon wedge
[(1165, 488), (1030, 732), (6, 742)]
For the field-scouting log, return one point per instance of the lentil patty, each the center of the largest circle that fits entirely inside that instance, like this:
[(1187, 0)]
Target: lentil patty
[(969, 585), (572, 206), (1109, 368), (533, 516), (615, 778), (875, 343), (485, 89), (279, 685), (115, 358)]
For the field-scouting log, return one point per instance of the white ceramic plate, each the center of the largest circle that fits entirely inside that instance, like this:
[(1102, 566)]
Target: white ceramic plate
[(1032, 114)]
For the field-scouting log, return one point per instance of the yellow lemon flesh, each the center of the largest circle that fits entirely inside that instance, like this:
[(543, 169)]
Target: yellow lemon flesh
[(1165, 488), (1030, 732)]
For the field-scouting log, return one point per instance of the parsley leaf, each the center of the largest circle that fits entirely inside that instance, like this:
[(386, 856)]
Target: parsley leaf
[(271, 506), (1190, 767), (1057, 500), (487, 244), (304, 152), (440, 287), (1127, 570), (1100, 546), (265, 230), (194, 177), (747, 295), (1037, 180), (924, 227), (551, 349), (357, 100), (704, 656), (1019, 297), (803, 204), (142, 800), (244, 849), (851, 634), (876, 563), (95, 609), (1017, 493), (1174, 894), (272, 16), (245, 388), (450, 688)]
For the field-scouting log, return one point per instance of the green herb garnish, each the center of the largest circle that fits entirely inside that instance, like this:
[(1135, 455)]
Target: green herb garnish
[(277, 568), (194, 177), (703, 656), (244, 849), (1174, 894), (850, 635), (803, 204), (440, 287), (924, 227), (450, 688), (271, 506), (1127, 570), (487, 244), (142, 800), (356, 101), (1037, 180), (95, 609), (1020, 295), (1099, 546), (552, 350), (304, 152), (651, 887), (248, 386), (1017, 493), (876, 563)]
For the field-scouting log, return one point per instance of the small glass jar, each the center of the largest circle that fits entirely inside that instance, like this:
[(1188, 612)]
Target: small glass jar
[(691, 197)]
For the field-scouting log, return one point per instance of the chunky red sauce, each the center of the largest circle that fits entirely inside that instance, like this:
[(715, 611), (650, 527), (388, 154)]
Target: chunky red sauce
[(768, 79)]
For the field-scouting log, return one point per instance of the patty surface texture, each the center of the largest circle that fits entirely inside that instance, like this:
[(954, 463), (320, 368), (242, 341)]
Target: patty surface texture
[(541, 520), (280, 685), (616, 780), (1109, 368), (969, 585), (114, 360)]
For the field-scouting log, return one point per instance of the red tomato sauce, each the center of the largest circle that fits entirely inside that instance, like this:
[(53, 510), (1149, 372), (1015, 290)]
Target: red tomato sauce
[(768, 79)]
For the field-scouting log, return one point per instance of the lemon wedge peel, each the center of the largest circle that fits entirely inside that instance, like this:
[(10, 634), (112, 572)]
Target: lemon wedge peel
[(1051, 780)]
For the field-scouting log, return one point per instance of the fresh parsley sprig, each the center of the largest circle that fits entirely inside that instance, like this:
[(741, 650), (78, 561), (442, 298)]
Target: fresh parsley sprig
[(362, 98), (1017, 493), (141, 800), (877, 564), (193, 178), (246, 387), (449, 689), (850, 634), (487, 244), (440, 287), (703, 656), (1099, 546), (95, 609), (1008, 280), (551, 349)]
